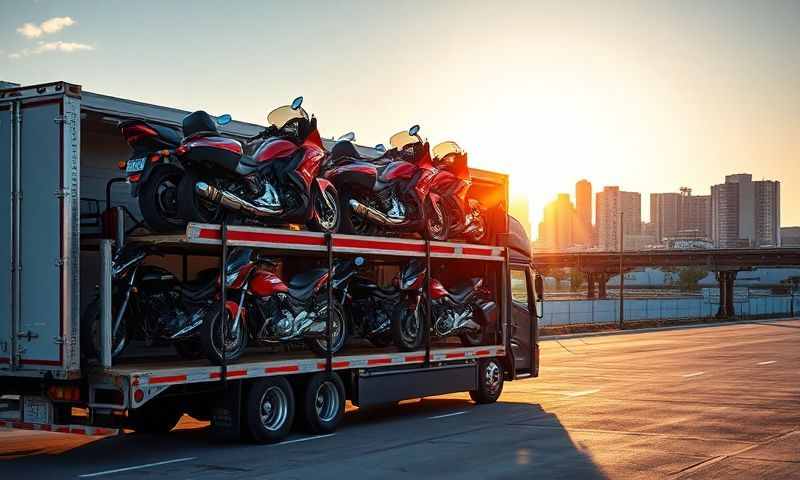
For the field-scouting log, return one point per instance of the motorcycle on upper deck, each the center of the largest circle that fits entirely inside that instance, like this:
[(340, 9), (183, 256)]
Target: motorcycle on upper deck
[(390, 194), (452, 182)]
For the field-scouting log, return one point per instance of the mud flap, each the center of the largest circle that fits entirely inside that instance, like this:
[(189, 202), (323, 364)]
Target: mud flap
[(226, 416)]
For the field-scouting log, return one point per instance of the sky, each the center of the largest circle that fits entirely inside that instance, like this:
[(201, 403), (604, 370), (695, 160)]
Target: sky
[(649, 96)]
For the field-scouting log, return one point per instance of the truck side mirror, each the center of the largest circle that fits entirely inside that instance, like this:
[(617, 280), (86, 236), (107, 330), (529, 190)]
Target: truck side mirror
[(538, 285)]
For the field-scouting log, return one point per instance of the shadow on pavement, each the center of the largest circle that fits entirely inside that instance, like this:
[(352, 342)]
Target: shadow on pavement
[(486, 441)]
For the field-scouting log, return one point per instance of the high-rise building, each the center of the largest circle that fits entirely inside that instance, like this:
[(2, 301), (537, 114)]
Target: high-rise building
[(745, 213), (556, 229), (583, 208), (665, 214), (608, 205), (695, 214), (790, 237)]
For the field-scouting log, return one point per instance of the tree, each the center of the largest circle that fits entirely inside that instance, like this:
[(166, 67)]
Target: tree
[(689, 277)]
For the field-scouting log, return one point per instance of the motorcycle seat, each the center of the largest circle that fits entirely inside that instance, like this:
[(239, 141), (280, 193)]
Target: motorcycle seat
[(464, 291), (301, 286), (342, 149)]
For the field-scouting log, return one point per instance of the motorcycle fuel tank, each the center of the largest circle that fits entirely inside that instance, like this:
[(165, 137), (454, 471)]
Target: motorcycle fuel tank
[(264, 284), (273, 149)]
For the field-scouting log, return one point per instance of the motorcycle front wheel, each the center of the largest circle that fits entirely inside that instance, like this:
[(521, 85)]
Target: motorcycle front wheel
[(408, 326), (338, 335), (327, 214), (437, 225), (158, 199), (90, 332), (211, 337)]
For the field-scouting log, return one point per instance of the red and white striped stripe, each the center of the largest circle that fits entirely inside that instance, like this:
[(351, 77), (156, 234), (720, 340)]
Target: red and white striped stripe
[(46, 427)]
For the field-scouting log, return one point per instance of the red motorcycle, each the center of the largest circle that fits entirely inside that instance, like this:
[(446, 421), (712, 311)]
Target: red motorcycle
[(389, 194), (467, 310), (262, 308), (273, 179), (452, 182)]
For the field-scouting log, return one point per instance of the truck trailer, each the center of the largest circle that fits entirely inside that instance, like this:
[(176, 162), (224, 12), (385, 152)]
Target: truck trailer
[(67, 211)]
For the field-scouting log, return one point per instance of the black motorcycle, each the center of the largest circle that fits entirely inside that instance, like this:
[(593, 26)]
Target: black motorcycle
[(150, 304), (467, 311), (369, 307)]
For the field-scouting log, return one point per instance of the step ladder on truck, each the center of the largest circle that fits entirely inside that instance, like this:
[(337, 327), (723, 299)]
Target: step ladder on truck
[(54, 389)]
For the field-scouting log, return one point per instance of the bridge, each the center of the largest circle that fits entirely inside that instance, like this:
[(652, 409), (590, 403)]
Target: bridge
[(600, 266)]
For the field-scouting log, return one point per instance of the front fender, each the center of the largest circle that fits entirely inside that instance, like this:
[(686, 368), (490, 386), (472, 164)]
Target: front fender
[(318, 186)]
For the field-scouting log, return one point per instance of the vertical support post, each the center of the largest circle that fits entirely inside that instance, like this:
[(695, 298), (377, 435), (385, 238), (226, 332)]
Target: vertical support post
[(16, 197), (602, 283), (621, 271), (589, 285), (223, 300), (120, 237), (328, 332), (428, 304), (105, 303)]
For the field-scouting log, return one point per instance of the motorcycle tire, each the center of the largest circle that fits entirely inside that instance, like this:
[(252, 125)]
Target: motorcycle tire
[(353, 224), (320, 345), (158, 199), (408, 336), (90, 332), (191, 207), (327, 215), (210, 334), (437, 224)]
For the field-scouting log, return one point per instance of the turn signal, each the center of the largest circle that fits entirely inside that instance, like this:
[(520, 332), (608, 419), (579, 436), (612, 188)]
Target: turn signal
[(122, 164)]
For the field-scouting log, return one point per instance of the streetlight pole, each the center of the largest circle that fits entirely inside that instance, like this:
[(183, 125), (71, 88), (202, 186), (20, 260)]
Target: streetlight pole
[(621, 271)]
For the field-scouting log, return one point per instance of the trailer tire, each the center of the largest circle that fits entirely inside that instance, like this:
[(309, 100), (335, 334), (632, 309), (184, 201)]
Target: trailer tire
[(156, 417), (490, 381), (323, 403), (270, 409)]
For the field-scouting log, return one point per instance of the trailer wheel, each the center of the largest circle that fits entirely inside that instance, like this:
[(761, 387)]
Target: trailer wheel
[(154, 417), (323, 403), (490, 381), (269, 411)]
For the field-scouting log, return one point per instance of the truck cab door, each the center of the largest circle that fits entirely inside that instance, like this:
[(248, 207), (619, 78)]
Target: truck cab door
[(523, 334)]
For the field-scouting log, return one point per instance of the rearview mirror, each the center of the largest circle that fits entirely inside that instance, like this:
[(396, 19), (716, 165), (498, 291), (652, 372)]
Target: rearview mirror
[(297, 103), (359, 261), (413, 130), (349, 136), (538, 285), (224, 119)]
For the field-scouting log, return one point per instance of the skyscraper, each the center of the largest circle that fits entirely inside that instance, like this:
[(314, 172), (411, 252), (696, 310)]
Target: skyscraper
[(583, 208), (556, 229), (608, 205), (665, 214), (745, 213), (680, 215)]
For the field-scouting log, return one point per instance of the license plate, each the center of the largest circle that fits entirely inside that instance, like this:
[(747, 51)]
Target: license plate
[(37, 410), (135, 165)]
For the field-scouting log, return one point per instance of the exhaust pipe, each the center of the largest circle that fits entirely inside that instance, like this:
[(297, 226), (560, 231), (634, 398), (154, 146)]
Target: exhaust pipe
[(374, 215), (233, 202)]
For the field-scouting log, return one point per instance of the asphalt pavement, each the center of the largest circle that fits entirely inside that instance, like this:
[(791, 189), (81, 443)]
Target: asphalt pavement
[(715, 402)]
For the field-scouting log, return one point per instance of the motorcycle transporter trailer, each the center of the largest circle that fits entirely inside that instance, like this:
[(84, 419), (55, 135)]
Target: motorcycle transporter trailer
[(47, 134)]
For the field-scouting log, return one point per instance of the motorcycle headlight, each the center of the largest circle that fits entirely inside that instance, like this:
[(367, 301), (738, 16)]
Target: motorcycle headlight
[(230, 278)]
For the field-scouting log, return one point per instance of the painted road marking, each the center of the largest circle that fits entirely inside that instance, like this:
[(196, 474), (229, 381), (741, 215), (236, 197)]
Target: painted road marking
[(582, 393), (695, 374), (137, 467), (304, 439), (766, 363), (446, 415)]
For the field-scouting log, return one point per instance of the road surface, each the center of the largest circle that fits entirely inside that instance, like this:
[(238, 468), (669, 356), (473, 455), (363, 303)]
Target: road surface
[(715, 402)]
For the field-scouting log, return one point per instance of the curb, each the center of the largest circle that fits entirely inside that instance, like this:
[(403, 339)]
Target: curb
[(659, 329)]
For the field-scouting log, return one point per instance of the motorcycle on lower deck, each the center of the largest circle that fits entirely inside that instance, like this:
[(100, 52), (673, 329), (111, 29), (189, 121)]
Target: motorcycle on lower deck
[(391, 194), (263, 308), (149, 303), (467, 311)]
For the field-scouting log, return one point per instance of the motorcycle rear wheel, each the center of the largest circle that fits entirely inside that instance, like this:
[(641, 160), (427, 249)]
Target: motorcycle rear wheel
[(191, 207), (158, 199), (354, 224)]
